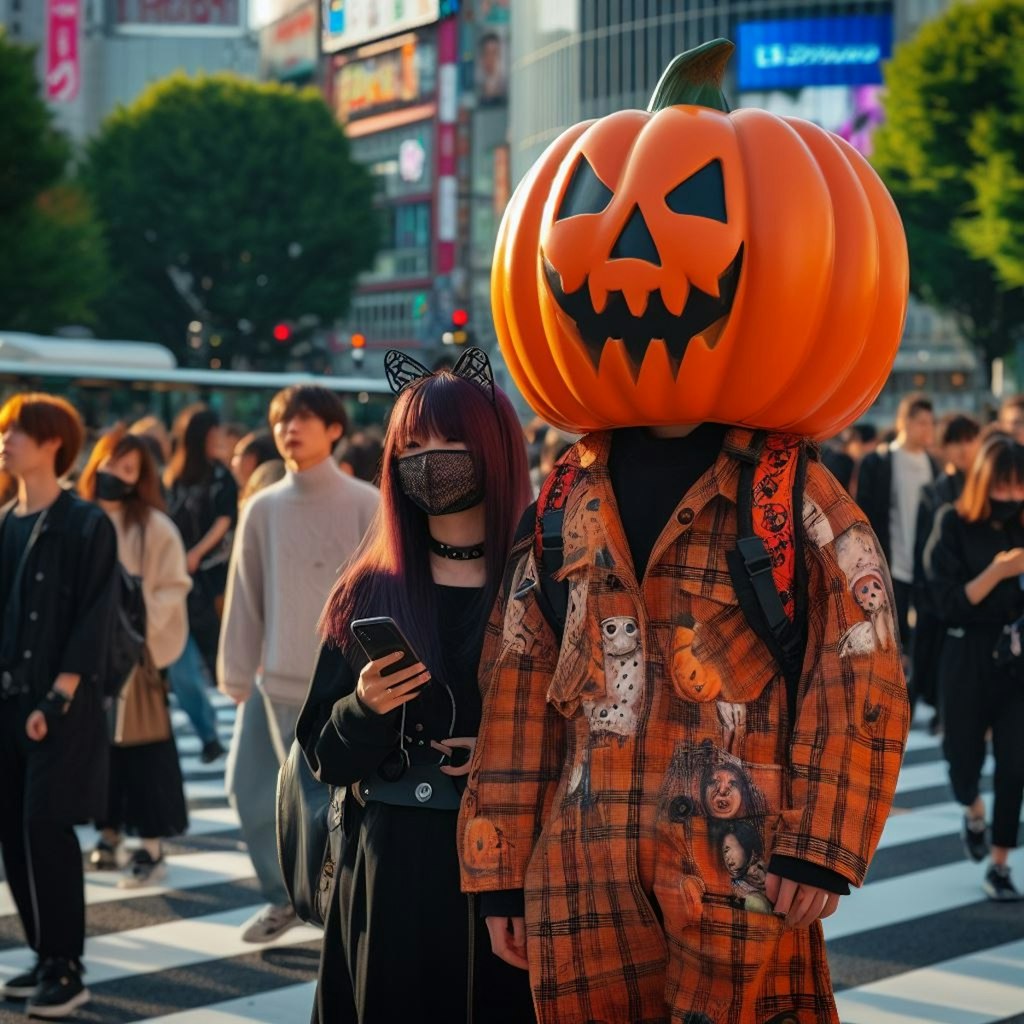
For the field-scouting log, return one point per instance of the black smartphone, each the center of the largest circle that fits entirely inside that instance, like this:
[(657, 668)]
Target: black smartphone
[(379, 637)]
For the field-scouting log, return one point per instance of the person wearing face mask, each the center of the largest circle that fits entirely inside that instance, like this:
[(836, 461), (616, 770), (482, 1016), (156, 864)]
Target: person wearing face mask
[(401, 942), (975, 561), (146, 793)]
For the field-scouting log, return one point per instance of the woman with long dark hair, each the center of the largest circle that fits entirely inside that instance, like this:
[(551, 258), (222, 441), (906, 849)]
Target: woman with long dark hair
[(975, 563), (202, 499), (401, 942), (146, 794)]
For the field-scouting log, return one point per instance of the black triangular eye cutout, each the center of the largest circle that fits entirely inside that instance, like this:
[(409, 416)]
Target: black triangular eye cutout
[(701, 195), (586, 192)]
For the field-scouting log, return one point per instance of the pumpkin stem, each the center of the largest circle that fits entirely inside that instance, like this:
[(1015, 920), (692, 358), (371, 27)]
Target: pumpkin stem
[(695, 78)]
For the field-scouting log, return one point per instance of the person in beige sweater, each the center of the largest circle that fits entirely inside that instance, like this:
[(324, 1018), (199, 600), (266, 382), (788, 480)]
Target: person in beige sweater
[(146, 793), (291, 541)]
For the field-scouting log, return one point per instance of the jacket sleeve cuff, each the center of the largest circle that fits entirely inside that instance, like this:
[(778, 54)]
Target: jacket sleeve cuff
[(238, 688), (805, 873), (358, 726), (503, 903)]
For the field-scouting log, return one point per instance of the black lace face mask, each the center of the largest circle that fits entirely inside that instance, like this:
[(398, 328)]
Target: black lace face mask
[(440, 482)]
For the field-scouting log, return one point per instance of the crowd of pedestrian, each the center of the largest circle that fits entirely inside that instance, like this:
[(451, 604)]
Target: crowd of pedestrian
[(220, 553)]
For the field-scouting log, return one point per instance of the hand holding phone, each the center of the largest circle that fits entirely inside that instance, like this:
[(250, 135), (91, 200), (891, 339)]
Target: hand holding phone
[(393, 675)]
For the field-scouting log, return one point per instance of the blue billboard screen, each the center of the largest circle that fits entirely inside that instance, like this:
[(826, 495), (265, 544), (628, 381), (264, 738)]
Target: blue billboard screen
[(799, 52)]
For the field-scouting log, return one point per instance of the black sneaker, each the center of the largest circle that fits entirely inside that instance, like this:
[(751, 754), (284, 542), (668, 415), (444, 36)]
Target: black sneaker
[(60, 990), (975, 837), (21, 986), (143, 871), (997, 885), (211, 751), (104, 857)]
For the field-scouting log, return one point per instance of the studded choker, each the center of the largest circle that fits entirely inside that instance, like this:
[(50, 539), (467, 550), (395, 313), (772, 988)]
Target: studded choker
[(455, 553)]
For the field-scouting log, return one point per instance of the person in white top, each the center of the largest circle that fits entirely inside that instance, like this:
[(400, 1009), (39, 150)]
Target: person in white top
[(292, 539), (146, 794)]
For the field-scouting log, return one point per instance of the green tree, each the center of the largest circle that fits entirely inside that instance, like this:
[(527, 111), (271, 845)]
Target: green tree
[(52, 258), (233, 204), (954, 103)]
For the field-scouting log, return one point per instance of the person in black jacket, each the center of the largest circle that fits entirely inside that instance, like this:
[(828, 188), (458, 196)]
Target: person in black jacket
[(58, 593), (889, 486), (401, 942), (959, 439), (975, 562)]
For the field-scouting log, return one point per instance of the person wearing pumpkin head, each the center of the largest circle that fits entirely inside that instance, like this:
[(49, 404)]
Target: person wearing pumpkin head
[(401, 942), (695, 631)]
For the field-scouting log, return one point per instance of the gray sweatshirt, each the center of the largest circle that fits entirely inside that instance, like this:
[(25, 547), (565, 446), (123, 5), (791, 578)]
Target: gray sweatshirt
[(292, 539)]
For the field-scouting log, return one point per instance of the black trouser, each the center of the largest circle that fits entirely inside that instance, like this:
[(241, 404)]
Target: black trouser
[(903, 593), (42, 858), (972, 706)]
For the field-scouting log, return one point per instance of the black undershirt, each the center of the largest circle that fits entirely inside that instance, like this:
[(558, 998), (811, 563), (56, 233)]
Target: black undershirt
[(16, 533), (651, 476)]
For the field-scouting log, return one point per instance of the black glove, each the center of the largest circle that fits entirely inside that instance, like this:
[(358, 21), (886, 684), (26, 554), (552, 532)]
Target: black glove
[(54, 705)]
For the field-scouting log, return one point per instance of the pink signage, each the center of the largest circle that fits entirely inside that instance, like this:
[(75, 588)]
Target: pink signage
[(63, 63)]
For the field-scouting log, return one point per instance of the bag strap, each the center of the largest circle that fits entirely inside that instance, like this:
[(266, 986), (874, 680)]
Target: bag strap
[(766, 566), (553, 594)]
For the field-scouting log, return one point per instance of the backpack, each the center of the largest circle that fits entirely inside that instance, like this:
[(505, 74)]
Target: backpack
[(128, 635), (766, 566)]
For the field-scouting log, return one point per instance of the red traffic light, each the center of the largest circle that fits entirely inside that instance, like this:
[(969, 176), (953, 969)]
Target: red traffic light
[(282, 333), (359, 341), (460, 318)]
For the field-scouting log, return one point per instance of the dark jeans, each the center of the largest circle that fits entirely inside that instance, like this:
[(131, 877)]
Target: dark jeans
[(971, 706), (42, 858)]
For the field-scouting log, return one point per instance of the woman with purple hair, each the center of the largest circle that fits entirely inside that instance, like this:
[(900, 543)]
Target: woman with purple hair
[(401, 942)]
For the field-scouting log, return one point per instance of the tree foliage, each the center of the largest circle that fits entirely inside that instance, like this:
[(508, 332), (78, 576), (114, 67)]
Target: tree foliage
[(231, 203), (950, 151), (52, 257)]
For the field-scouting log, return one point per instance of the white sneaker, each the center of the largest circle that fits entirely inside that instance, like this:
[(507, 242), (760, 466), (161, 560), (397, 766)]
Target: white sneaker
[(270, 923)]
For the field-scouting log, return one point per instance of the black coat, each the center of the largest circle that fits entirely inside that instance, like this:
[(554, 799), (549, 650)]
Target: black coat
[(874, 493), (399, 936), (62, 617), (956, 553)]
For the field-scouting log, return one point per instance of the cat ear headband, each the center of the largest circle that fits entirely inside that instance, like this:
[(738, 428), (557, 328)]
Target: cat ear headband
[(473, 365)]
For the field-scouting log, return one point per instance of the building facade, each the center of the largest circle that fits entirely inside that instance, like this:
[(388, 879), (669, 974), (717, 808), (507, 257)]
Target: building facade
[(96, 54)]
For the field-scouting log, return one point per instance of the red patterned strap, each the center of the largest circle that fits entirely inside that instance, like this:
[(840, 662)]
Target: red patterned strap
[(775, 520)]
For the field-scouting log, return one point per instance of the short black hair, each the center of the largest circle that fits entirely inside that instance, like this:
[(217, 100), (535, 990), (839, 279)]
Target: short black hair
[(958, 428), (864, 432), (260, 446), (323, 403), (910, 405)]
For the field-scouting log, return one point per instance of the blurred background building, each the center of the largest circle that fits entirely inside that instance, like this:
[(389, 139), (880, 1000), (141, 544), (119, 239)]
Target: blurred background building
[(96, 54)]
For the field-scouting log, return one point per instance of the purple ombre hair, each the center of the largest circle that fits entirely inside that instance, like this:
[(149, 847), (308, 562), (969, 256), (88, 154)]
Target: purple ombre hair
[(390, 573)]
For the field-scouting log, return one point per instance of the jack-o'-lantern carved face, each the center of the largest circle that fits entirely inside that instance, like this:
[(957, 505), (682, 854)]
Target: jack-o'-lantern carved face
[(688, 263), (692, 679), (628, 263)]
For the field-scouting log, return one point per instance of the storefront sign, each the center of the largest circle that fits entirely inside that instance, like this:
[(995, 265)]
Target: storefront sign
[(288, 47), (351, 22), (63, 64), (814, 51), (177, 14), (402, 75)]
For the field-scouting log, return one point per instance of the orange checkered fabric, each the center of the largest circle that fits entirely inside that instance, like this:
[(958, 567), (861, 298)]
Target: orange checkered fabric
[(636, 780)]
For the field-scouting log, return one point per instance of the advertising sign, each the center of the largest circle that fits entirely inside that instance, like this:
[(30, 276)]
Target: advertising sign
[(402, 75), (288, 47), (63, 65), (178, 14), (814, 51), (351, 22)]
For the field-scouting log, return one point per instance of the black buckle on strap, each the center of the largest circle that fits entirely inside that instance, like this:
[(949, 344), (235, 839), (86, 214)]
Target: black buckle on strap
[(756, 559)]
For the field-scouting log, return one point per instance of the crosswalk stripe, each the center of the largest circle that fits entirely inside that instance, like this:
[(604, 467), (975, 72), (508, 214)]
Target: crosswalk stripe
[(186, 871), (934, 773), (162, 947), (982, 988), (280, 1006)]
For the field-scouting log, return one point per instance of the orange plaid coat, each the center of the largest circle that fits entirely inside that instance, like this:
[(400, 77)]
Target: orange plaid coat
[(636, 780)]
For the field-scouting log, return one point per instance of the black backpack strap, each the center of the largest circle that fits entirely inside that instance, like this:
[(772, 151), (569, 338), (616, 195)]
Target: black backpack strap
[(552, 595), (750, 566)]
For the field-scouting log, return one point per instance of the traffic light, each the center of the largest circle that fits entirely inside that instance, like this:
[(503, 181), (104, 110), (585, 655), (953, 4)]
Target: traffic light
[(282, 333), (358, 348), (459, 334)]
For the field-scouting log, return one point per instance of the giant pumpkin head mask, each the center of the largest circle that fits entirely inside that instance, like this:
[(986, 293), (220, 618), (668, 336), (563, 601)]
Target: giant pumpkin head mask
[(685, 264)]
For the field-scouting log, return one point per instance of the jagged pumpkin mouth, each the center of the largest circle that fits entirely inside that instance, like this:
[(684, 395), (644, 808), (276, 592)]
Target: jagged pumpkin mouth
[(703, 314)]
